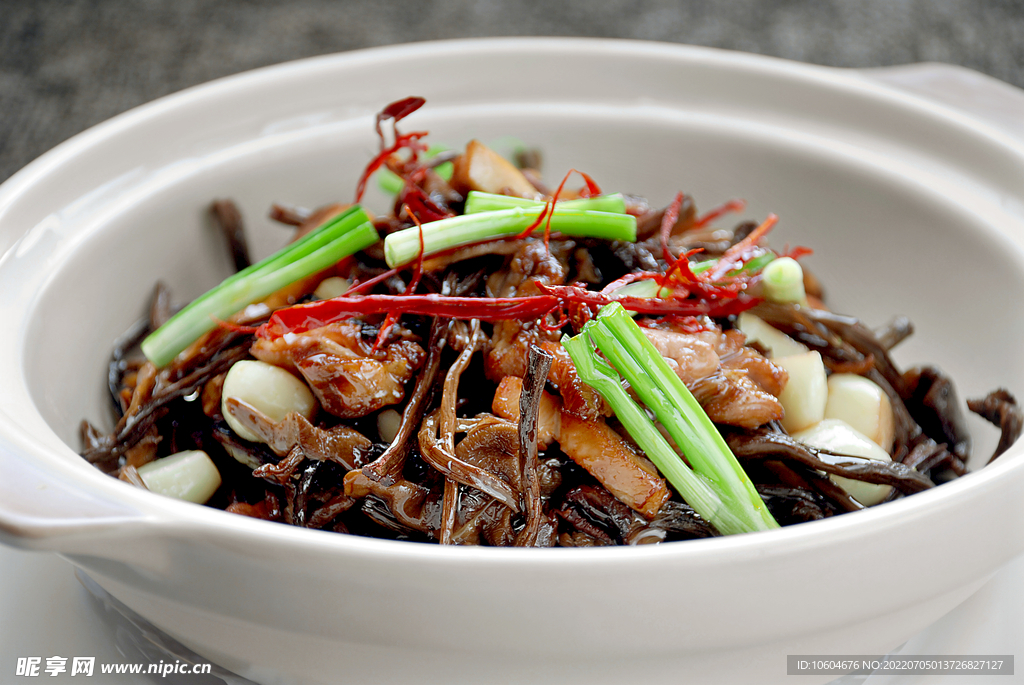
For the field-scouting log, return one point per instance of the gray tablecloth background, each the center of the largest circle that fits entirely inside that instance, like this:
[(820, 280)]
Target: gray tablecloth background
[(66, 65)]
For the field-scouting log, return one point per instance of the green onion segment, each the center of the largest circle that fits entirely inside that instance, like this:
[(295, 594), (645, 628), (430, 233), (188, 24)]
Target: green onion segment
[(716, 486), (402, 247), (477, 202), (339, 237), (783, 281)]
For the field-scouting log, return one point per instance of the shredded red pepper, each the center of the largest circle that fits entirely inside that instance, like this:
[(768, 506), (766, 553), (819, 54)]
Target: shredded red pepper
[(399, 110), (630, 278), (548, 208), (416, 202), (589, 190), (683, 295), (396, 111), (563, 319), (371, 282), (392, 318), (418, 271), (730, 206), (675, 322), (668, 220), (714, 297), (304, 317), (236, 327), (680, 272), (741, 251), (797, 252), (653, 305)]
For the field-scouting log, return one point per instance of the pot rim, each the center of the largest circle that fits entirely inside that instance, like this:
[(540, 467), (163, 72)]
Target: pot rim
[(104, 509)]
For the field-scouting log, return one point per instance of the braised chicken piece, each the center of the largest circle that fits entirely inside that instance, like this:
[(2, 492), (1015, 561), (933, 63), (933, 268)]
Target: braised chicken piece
[(349, 378), (733, 383)]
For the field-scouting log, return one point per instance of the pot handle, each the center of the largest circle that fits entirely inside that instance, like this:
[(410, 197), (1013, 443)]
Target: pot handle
[(41, 510), (978, 95)]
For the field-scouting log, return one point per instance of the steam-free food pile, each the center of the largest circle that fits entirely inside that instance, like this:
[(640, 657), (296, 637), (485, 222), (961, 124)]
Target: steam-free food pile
[(500, 360)]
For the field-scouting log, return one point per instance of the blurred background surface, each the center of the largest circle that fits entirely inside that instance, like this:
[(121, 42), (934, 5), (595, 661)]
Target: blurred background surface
[(66, 65)]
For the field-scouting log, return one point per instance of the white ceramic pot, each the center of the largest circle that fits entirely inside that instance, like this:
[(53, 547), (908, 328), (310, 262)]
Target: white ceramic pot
[(911, 208)]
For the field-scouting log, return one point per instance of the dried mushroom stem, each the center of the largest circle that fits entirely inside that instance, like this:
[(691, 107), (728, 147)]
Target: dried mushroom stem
[(538, 366), (893, 333), (1000, 408), (800, 477), (227, 216), (213, 353), (450, 393), (846, 344), (340, 444), (387, 467), (160, 307), (825, 487), (760, 444), (289, 215), (120, 364), (906, 429), (927, 454), (446, 426), (449, 511), (862, 339), (437, 455), (282, 471)]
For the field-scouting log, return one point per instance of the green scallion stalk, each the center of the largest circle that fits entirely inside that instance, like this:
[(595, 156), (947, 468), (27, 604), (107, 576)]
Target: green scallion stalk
[(783, 281), (698, 493), (403, 246), (477, 202), (340, 237), (633, 355)]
